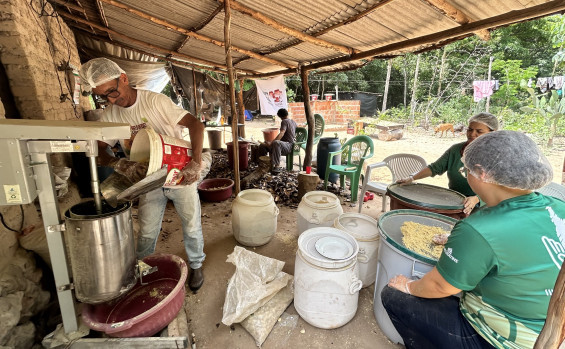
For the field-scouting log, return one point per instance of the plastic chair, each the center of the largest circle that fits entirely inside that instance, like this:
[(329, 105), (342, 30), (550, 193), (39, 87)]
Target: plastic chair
[(319, 126), (301, 135), (357, 150), (553, 189), (400, 166)]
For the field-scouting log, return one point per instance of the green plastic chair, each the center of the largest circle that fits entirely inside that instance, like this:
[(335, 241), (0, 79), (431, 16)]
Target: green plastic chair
[(356, 151), (301, 135), (319, 125)]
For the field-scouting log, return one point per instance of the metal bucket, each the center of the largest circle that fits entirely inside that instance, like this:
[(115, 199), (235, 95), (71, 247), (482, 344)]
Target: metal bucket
[(101, 249)]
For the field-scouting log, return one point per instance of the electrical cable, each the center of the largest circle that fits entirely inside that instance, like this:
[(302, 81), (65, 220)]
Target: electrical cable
[(6, 225)]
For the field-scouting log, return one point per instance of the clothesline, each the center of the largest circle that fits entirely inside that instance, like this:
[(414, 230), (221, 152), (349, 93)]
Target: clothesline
[(548, 83)]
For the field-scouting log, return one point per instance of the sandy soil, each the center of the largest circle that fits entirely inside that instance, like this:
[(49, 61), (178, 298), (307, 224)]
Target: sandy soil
[(204, 309)]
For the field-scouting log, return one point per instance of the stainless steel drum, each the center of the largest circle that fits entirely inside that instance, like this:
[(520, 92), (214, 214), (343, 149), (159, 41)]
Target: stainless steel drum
[(101, 248)]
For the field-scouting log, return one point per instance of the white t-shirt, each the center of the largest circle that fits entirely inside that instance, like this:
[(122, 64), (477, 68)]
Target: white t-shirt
[(150, 109)]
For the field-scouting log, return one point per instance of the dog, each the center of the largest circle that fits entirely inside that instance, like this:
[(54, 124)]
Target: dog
[(444, 128)]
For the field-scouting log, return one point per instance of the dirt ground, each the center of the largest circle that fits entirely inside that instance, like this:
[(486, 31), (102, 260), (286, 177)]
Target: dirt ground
[(204, 309)]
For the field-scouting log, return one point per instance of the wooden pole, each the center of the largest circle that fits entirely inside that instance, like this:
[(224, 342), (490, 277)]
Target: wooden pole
[(553, 332), (241, 107), (414, 87), (489, 70), (309, 117), (385, 95), (234, 119), (194, 93)]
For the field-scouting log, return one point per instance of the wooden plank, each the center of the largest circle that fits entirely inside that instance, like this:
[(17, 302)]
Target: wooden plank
[(123, 343)]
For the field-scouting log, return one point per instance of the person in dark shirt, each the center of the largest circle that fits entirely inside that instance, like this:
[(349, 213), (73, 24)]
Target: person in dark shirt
[(282, 144)]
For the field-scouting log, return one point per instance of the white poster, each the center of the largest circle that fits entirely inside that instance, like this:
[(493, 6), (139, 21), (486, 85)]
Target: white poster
[(272, 95)]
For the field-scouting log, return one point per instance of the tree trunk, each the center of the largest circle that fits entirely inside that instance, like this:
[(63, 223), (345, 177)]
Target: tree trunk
[(405, 81), (441, 68), (385, 94), (241, 107), (553, 332), (414, 88)]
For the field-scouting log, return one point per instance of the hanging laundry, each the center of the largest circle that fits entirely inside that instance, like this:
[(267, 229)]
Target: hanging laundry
[(272, 95), (482, 89), (550, 83), (558, 82), (542, 84)]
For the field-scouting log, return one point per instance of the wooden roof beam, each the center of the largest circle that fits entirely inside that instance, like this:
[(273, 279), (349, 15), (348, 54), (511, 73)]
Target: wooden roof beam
[(457, 15), (201, 25), (145, 44), (187, 32), (102, 15), (287, 30), (441, 38)]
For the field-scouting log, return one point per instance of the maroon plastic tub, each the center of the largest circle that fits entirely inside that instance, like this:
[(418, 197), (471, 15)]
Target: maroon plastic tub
[(243, 154), (146, 309), (215, 189)]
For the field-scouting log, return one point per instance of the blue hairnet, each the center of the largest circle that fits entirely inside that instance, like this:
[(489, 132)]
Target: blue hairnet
[(508, 158), (485, 118)]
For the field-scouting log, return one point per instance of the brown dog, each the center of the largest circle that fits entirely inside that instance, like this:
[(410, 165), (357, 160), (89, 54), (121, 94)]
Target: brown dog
[(444, 128)]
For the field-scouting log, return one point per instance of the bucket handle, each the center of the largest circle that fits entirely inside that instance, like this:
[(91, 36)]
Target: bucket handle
[(362, 256), (314, 219), (276, 211), (355, 285), (415, 272)]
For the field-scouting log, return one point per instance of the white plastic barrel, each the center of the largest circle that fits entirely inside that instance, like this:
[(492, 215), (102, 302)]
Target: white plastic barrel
[(365, 230), (254, 217), (317, 209), (326, 282), (395, 259)]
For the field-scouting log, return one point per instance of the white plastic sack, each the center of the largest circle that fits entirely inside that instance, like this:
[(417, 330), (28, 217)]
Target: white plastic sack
[(256, 280)]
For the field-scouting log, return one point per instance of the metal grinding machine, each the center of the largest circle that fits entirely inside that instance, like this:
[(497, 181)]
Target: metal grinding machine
[(92, 247)]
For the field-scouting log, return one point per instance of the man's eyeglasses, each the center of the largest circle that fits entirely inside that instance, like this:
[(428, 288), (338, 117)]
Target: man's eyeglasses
[(113, 93), (463, 170)]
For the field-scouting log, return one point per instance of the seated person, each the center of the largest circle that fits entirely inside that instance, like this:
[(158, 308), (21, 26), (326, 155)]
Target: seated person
[(282, 144), (450, 161), (504, 257)]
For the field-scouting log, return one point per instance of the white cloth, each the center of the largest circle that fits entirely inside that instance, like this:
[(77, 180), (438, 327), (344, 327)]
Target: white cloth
[(272, 95), (150, 109), (482, 89)]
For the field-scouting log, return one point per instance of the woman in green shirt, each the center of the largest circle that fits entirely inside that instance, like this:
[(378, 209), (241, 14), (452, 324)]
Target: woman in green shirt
[(505, 258), (450, 161)]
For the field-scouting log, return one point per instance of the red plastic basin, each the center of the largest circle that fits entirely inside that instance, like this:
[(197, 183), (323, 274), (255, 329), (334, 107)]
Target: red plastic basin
[(215, 189), (146, 309)]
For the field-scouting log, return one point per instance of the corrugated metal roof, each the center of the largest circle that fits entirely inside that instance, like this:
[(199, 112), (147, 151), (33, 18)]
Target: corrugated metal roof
[(309, 33)]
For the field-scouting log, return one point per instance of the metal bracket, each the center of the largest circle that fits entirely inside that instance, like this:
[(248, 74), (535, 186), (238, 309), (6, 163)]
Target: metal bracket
[(144, 269), (66, 287), (56, 227)]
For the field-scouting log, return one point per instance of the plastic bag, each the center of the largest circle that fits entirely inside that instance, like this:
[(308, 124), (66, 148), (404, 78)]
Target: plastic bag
[(260, 323), (256, 280)]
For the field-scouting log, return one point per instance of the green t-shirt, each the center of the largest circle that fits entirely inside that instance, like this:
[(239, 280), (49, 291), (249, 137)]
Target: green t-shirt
[(451, 163), (506, 258)]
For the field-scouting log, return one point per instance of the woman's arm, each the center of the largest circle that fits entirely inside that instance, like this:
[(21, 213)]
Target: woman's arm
[(432, 285), (425, 172)]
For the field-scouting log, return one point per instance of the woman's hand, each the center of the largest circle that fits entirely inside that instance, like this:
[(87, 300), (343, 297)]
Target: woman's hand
[(470, 203), (401, 283), (404, 181)]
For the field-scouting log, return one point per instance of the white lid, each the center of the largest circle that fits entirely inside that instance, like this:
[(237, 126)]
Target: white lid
[(321, 199), (358, 225), (328, 247)]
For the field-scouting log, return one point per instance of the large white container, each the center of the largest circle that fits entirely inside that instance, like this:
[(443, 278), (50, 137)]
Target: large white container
[(317, 209), (365, 230), (326, 290), (394, 258), (254, 217)]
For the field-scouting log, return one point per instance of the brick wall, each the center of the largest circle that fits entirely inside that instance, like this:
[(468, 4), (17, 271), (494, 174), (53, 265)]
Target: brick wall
[(334, 112), (31, 48)]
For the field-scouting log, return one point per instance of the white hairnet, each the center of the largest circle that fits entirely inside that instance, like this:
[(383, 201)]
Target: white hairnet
[(485, 118), (98, 71), (508, 158)]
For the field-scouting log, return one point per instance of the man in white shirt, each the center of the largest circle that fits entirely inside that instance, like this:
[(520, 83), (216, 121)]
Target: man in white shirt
[(141, 109)]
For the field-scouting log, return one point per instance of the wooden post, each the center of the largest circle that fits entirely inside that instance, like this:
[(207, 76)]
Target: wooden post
[(309, 117), (385, 95), (234, 128), (414, 87), (194, 94), (241, 108), (553, 332)]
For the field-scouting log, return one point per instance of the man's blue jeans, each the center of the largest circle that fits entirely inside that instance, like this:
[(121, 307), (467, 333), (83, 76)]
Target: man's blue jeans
[(430, 323), (150, 214)]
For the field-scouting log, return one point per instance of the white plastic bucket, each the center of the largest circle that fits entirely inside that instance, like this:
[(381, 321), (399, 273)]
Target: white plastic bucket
[(326, 290), (365, 230), (317, 209), (161, 151), (394, 258), (254, 217)]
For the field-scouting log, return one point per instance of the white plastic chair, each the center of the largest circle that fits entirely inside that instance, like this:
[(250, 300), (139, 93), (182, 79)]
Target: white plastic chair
[(400, 166), (553, 189)]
